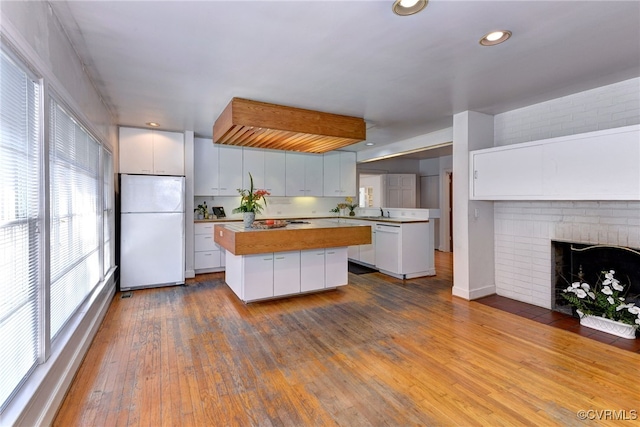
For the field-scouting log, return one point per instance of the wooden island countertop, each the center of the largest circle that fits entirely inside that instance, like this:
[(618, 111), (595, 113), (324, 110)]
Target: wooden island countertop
[(294, 237)]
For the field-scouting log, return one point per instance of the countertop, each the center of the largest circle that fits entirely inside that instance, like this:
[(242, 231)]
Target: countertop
[(401, 220)]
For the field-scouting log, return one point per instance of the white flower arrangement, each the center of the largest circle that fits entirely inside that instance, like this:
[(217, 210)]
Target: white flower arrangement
[(605, 299)]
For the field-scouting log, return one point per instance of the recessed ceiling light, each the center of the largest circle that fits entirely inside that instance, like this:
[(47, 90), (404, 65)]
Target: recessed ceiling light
[(408, 7), (495, 37), (153, 124), (369, 143)]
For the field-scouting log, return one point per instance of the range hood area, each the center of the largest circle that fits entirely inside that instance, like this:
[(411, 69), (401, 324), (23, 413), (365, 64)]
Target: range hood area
[(256, 124)]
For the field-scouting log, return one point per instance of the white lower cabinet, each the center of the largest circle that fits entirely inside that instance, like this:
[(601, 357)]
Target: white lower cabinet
[(335, 267), (261, 276), (258, 276), (208, 256), (311, 270), (363, 253), (286, 273)]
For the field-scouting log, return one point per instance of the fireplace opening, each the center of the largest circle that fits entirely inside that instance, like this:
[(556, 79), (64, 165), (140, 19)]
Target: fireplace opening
[(577, 261)]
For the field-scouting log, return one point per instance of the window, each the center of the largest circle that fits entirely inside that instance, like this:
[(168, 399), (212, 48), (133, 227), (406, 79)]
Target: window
[(20, 225), (76, 212)]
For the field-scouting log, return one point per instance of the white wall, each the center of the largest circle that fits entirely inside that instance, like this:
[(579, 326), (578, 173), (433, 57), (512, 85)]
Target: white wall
[(394, 165), (473, 273), (375, 182), (524, 230), (32, 30)]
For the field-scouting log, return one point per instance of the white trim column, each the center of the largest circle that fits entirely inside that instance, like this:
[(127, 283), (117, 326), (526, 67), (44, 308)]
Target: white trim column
[(473, 236)]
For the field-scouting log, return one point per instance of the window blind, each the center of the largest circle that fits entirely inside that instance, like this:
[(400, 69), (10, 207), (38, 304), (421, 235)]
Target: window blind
[(20, 224), (108, 213), (76, 212)]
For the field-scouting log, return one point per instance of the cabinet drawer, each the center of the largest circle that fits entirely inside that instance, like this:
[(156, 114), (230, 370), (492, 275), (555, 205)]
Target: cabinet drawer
[(208, 259), (204, 242), (203, 228)]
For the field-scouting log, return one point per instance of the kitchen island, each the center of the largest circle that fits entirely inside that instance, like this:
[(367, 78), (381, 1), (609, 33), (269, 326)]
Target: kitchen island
[(299, 258)]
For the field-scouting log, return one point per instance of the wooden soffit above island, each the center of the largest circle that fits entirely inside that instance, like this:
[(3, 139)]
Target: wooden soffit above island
[(256, 124)]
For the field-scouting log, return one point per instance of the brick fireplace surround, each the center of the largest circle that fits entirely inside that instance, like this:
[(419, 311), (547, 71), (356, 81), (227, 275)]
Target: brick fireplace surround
[(524, 231)]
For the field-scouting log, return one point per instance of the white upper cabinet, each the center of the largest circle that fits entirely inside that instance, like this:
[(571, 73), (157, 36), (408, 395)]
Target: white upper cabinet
[(205, 168), (267, 167), (217, 169), (304, 174), (230, 170), (253, 163), (601, 165), (511, 172), (168, 153), (151, 152), (339, 174), (275, 172), (136, 151)]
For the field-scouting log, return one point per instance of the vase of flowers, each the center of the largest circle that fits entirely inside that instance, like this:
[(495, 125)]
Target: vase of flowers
[(250, 203), (603, 306), (351, 206), (202, 211), (347, 204)]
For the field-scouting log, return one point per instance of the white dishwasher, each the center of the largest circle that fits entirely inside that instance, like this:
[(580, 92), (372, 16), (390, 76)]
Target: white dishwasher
[(387, 247)]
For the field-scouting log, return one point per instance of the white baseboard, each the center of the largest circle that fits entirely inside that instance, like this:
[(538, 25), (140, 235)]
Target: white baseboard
[(474, 293)]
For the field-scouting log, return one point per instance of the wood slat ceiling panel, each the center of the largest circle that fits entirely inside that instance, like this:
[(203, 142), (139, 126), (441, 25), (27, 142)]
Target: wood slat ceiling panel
[(255, 124)]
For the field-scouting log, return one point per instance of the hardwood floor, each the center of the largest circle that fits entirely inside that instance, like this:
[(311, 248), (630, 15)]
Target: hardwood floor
[(379, 352)]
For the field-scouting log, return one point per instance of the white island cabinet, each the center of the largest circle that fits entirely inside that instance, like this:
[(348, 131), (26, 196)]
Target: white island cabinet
[(262, 264)]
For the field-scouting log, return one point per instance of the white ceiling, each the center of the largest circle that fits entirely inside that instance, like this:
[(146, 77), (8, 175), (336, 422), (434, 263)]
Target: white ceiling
[(180, 62)]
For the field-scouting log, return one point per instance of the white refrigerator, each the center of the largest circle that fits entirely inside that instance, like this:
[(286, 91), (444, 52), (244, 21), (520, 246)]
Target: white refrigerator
[(152, 227)]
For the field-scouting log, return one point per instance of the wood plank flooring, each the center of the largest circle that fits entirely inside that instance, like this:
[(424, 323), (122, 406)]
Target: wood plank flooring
[(379, 352)]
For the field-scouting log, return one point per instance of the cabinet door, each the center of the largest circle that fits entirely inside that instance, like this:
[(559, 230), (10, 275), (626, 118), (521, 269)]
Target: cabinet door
[(401, 191), (274, 173), (204, 242), (136, 151), (168, 153), (368, 252), (312, 270), (205, 167), (207, 259), (295, 174), (507, 174), (348, 174), (258, 276), (331, 171), (313, 175), (336, 267), (230, 170), (286, 273), (252, 163)]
